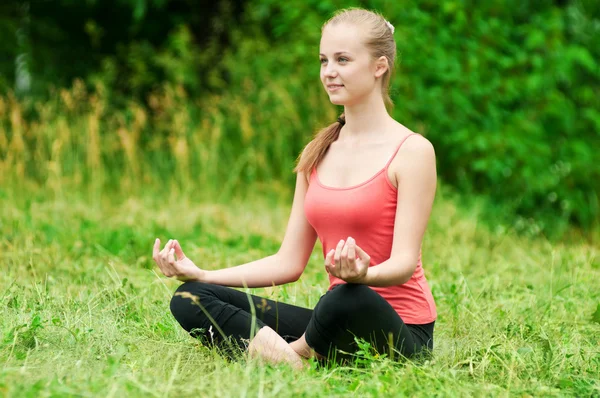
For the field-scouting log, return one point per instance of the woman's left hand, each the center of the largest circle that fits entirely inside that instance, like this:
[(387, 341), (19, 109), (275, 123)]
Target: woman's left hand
[(342, 263)]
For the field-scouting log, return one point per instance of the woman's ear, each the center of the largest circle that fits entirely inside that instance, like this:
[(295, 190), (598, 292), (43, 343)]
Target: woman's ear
[(381, 66)]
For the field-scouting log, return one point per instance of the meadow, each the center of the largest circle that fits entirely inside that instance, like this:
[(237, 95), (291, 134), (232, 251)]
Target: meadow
[(115, 133), (85, 310), (84, 191)]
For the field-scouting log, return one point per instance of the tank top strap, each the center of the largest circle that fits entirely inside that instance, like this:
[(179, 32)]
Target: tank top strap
[(398, 148)]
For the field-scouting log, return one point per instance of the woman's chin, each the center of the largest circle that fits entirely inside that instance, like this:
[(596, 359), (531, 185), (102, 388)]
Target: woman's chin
[(336, 101)]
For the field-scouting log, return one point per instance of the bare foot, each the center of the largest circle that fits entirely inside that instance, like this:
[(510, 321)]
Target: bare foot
[(302, 348), (272, 348)]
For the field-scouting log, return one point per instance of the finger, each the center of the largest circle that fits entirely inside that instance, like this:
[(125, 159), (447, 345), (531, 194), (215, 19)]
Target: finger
[(332, 270), (171, 257), (345, 249), (156, 249), (328, 259), (164, 267), (362, 254), (344, 256), (165, 251), (338, 253), (178, 251), (351, 252), (164, 259), (158, 259)]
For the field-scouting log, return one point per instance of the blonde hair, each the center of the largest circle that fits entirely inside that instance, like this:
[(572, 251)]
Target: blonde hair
[(379, 42)]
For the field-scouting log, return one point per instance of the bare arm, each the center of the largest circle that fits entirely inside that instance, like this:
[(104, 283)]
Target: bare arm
[(283, 267), (416, 190)]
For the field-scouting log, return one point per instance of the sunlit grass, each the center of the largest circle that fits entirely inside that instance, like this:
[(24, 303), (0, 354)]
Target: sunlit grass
[(85, 311), (219, 142)]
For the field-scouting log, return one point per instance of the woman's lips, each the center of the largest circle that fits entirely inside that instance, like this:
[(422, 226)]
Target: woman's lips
[(334, 87)]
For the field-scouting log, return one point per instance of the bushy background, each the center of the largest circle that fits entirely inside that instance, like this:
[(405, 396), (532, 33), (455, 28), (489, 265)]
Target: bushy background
[(215, 95)]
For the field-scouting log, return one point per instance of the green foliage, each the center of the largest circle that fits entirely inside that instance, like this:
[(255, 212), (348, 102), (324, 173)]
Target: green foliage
[(508, 93), (511, 107), (131, 45)]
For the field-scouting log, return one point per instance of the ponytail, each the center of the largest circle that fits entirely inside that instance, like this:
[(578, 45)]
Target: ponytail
[(315, 150)]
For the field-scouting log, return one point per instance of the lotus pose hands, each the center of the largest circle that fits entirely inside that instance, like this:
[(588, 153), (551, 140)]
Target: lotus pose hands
[(342, 262), (181, 268)]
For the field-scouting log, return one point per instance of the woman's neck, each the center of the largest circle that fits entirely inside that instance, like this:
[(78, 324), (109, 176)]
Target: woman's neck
[(365, 119)]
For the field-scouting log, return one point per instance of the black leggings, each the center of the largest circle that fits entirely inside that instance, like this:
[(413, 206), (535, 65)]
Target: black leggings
[(343, 313)]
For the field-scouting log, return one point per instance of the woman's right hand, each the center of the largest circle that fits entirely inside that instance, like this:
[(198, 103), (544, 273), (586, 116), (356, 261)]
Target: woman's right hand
[(181, 268)]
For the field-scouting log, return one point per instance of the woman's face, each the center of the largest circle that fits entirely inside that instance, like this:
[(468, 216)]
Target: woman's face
[(348, 72)]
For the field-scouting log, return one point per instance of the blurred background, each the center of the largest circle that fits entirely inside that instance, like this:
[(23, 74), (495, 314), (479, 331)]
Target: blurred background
[(216, 99)]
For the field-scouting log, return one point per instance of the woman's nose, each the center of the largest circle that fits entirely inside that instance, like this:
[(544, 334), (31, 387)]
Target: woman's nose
[(330, 71)]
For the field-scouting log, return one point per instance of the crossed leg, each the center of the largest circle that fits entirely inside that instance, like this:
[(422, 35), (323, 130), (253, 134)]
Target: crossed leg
[(222, 316), (279, 332)]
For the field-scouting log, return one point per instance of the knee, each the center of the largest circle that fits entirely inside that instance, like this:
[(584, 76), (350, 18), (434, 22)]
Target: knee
[(349, 291), (345, 300), (186, 297), (353, 296), (179, 300)]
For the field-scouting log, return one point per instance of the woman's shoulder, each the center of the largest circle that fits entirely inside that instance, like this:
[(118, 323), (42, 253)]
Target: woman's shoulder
[(415, 151), (413, 142)]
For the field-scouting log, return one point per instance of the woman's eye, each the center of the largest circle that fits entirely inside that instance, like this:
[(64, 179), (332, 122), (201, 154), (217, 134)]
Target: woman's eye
[(323, 60), (342, 59)]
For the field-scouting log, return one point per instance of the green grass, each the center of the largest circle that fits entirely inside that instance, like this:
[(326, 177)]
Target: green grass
[(85, 312)]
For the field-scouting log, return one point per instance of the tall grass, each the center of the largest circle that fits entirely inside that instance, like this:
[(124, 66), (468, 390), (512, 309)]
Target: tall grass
[(214, 145), (220, 146)]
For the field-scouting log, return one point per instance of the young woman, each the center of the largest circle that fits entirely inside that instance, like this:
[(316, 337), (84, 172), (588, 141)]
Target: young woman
[(365, 187)]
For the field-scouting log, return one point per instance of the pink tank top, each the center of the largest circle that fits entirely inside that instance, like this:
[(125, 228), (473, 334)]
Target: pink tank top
[(367, 213)]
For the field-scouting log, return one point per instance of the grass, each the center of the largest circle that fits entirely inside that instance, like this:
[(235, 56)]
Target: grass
[(85, 312)]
